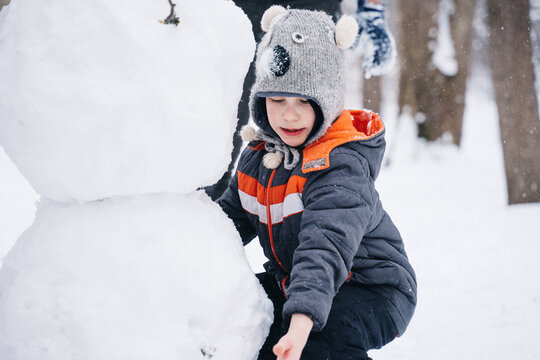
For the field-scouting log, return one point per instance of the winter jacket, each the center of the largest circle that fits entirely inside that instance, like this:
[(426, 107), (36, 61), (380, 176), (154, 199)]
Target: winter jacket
[(322, 224)]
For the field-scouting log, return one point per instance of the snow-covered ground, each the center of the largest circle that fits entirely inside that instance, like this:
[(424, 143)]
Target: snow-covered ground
[(476, 258)]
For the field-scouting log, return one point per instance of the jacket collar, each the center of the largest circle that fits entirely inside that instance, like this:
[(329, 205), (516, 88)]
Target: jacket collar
[(351, 125)]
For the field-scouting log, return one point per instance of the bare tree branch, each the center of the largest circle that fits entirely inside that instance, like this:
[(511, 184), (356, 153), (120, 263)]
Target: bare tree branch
[(172, 18)]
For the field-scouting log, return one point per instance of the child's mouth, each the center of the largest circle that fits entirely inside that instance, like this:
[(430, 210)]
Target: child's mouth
[(292, 132)]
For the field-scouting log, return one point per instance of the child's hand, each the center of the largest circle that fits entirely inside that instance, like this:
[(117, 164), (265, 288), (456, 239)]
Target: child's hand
[(290, 346)]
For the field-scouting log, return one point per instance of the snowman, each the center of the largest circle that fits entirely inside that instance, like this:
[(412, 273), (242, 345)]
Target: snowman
[(116, 120)]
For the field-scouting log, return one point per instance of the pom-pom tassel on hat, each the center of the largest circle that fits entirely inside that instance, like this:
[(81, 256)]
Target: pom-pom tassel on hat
[(272, 160), (277, 151), (249, 133)]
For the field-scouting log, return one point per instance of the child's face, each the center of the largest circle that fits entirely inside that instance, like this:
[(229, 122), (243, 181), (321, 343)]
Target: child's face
[(292, 118)]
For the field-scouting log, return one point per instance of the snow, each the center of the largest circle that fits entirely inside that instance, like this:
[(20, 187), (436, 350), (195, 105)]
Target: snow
[(136, 277), (476, 258), (16, 204), (108, 115), (116, 120), (444, 54)]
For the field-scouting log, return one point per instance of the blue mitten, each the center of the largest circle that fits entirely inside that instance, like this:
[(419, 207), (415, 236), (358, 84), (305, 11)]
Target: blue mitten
[(376, 40)]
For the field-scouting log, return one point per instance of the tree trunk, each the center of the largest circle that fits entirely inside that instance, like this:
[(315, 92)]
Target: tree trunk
[(425, 90), (447, 109), (3, 3), (517, 104), (372, 94), (415, 19)]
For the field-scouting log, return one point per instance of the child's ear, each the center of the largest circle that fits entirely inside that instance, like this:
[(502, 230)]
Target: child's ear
[(270, 14), (346, 31)]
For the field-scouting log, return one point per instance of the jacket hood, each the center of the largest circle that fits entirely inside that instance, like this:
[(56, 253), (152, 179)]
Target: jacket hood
[(361, 129)]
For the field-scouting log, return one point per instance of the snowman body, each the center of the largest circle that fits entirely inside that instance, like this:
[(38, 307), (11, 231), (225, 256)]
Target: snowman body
[(116, 120)]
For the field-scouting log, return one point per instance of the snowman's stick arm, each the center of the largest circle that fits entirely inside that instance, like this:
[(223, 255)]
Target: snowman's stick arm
[(172, 18)]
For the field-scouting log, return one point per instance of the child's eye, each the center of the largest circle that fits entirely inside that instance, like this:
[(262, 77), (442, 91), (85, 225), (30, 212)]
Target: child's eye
[(277, 100), (304, 101)]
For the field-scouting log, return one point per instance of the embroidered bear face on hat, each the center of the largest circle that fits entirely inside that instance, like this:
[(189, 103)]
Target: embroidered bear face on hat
[(302, 54)]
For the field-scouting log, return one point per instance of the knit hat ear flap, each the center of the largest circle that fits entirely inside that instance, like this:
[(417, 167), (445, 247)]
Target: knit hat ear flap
[(270, 14), (346, 31)]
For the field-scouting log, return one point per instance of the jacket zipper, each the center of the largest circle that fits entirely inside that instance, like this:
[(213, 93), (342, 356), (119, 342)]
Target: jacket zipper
[(269, 220), (283, 282)]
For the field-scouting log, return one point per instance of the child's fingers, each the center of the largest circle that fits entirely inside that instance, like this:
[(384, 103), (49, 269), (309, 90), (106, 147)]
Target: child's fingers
[(282, 348)]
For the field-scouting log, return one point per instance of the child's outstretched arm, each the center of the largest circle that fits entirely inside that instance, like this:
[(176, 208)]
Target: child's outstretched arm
[(340, 203), (290, 346)]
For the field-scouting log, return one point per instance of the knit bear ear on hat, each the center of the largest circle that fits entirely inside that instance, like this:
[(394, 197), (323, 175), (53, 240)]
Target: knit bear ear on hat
[(346, 31), (346, 27), (270, 14)]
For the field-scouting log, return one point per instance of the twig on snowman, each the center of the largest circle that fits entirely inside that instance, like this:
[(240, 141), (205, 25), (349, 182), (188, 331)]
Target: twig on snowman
[(172, 18)]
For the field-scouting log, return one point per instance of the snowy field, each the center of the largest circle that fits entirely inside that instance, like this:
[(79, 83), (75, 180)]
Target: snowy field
[(476, 258)]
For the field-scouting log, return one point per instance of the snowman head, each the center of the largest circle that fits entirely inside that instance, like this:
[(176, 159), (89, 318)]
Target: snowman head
[(302, 54), (102, 100)]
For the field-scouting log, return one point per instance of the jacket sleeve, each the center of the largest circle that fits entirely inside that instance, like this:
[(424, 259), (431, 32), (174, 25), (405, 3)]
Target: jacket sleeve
[(231, 205), (338, 206)]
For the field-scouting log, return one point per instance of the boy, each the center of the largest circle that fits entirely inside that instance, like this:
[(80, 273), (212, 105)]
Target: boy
[(337, 273), (378, 54)]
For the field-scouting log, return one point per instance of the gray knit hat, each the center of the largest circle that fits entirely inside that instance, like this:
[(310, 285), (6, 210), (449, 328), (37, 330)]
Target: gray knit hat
[(301, 54)]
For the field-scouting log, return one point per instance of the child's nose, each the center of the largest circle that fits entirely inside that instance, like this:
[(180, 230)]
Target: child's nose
[(290, 114)]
